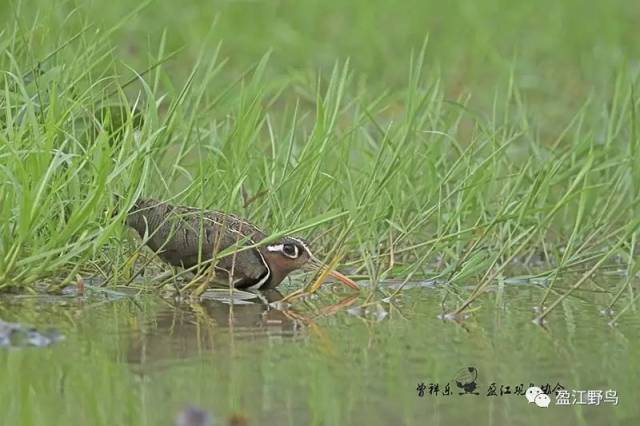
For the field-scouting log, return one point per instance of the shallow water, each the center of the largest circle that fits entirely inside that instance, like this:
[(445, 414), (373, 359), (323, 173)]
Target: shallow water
[(141, 360)]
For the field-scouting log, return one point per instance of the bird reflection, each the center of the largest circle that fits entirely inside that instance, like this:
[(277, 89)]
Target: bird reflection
[(184, 330)]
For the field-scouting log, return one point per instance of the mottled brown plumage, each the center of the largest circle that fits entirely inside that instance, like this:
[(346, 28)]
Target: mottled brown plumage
[(188, 237)]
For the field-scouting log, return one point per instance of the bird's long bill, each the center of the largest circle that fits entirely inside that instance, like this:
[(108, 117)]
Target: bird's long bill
[(344, 279), (317, 265)]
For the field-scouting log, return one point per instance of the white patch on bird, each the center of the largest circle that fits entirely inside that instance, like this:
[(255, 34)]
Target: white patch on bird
[(281, 249), (260, 283), (266, 276)]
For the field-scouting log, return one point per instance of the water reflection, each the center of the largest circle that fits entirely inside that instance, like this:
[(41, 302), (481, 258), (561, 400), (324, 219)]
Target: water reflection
[(16, 335), (181, 330), (359, 360)]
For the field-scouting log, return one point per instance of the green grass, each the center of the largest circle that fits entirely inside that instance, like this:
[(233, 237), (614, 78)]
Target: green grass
[(416, 139)]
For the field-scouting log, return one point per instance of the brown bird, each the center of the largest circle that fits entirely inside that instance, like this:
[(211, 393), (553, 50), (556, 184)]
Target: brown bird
[(190, 237)]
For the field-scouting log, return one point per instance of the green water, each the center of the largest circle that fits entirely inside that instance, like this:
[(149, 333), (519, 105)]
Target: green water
[(141, 360)]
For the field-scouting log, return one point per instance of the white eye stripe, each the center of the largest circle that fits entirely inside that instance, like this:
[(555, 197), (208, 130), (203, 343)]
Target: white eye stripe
[(280, 248), (276, 247), (303, 244)]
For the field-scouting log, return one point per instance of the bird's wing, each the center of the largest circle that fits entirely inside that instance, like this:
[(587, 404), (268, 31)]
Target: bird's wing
[(186, 236)]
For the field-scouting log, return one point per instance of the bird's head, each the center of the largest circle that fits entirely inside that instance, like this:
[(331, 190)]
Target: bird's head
[(292, 253)]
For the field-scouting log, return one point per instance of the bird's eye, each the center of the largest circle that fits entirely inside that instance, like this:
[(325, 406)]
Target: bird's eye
[(290, 250)]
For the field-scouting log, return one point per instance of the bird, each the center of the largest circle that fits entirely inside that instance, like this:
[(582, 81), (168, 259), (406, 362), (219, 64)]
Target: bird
[(191, 238)]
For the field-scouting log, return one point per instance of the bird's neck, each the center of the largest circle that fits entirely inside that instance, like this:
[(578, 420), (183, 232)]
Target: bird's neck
[(276, 278)]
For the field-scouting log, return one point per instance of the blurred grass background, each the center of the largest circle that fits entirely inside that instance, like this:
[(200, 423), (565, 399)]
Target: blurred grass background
[(564, 50)]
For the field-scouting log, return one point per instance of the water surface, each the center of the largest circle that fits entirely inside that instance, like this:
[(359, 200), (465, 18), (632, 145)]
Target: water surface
[(326, 361)]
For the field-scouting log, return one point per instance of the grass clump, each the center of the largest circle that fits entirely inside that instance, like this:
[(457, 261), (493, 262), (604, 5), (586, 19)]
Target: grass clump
[(412, 179)]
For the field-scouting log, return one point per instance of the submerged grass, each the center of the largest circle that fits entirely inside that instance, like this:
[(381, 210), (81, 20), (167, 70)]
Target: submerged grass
[(385, 160)]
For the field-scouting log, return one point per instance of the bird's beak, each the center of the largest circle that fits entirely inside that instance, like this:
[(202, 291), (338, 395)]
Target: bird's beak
[(315, 265), (344, 280)]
